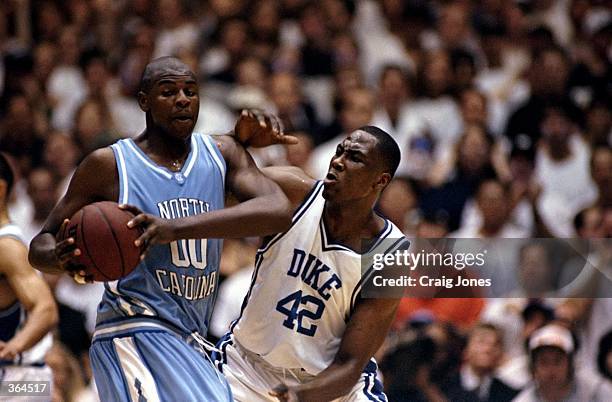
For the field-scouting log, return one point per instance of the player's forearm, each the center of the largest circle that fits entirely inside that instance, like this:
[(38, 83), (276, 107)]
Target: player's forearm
[(42, 318), (335, 381), (254, 217), (42, 254)]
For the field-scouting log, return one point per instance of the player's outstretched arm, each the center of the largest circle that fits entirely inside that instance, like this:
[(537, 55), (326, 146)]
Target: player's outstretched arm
[(33, 294), (263, 209), (95, 179), (365, 333)]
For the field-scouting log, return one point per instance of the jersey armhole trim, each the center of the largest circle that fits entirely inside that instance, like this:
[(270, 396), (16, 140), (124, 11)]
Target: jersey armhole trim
[(357, 291), (123, 178), (215, 154)]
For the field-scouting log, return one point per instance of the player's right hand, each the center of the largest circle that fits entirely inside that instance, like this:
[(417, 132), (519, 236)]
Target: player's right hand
[(155, 230), (65, 252)]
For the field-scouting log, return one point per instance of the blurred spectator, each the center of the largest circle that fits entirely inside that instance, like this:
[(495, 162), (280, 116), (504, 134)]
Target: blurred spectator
[(66, 84), (601, 173), (407, 372), (378, 38), (294, 112), (394, 115), (562, 169), (456, 177), (61, 155), (20, 135), (551, 351), (518, 318), (399, 204), (93, 126), (217, 62), (177, 31), (264, 21), (548, 80), (477, 381), (43, 196), (299, 154), (434, 103), (598, 130), (356, 111)]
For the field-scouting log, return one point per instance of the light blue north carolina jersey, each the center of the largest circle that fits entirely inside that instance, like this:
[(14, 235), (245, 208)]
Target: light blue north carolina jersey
[(176, 283)]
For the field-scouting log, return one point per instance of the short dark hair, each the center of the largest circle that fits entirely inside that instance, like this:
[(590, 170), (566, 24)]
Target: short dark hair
[(6, 173), (152, 70), (386, 146)]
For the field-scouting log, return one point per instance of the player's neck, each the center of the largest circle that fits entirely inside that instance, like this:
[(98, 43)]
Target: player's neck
[(347, 221), (165, 149)]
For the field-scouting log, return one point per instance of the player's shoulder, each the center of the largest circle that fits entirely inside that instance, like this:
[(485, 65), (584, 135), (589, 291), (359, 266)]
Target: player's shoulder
[(11, 248), (97, 175), (100, 158), (225, 143)]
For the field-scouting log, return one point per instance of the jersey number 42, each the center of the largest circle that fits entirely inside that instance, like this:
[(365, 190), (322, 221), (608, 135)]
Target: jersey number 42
[(298, 307)]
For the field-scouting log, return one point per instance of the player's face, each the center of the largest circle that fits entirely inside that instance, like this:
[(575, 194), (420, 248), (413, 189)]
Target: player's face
[(354, 170), (174, 103)]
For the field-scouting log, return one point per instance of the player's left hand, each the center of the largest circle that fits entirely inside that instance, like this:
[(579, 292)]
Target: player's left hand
[(255, 128), (284, 393), (155, 230), (8, 351)]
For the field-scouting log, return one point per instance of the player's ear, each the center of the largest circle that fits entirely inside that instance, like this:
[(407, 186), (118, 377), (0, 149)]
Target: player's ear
[(143, 101), (383, 181)]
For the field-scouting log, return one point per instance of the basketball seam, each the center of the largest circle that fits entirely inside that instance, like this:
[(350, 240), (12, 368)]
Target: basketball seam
[(114, 238), (87, 249)]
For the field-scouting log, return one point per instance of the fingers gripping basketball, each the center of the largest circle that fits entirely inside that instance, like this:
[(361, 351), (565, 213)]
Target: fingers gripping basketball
[(107, 245)]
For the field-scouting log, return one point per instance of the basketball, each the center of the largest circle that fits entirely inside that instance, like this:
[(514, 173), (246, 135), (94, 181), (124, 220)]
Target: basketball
[(106, 243)]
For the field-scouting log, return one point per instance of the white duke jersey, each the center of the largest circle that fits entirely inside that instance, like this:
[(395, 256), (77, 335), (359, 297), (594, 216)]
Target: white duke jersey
[(303, 291)]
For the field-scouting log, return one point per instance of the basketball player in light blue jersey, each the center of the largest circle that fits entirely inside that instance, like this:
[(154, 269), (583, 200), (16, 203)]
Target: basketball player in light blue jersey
[(306, 332), (27, 309), (151, 323)]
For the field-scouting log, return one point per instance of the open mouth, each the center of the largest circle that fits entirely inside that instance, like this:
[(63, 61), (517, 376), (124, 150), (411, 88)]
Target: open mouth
[(331, 177)]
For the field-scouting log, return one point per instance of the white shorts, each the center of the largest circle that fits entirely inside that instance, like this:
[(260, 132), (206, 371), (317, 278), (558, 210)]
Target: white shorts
[(27, 373), (251, 378)]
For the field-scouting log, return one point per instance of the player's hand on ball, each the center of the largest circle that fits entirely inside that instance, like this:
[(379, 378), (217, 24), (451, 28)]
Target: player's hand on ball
[(284, 394), (255, 128), (155, 230), (66, 251)]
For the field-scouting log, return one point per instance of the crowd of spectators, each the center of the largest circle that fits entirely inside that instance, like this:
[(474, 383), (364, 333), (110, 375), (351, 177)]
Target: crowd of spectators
[(502, 109)]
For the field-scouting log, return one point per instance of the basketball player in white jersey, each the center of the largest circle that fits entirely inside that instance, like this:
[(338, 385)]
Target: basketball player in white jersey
[(305, 333), (27, 309)]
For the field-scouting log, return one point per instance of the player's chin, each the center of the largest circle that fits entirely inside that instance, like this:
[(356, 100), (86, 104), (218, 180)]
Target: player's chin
[(329, 192), (182, 128)]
